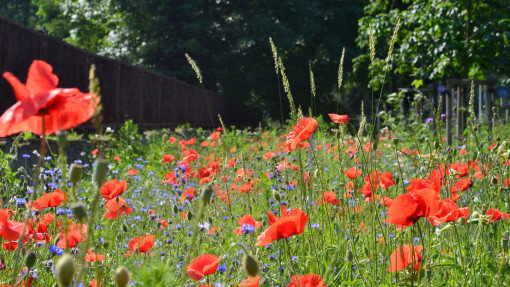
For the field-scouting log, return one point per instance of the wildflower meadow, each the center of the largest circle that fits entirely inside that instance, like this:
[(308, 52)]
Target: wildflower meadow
[(321, 201)]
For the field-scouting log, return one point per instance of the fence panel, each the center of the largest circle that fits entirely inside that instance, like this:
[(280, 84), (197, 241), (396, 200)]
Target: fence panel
[(128, 92)]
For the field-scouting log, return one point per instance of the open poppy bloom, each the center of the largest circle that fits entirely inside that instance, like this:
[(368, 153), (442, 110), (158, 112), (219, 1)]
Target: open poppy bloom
[(116, 207), (407, 208), (405, 255), (339, 119), (328, 197), (283, 227), (52, 199), (76, 234), (450, 211), (92, 257), (352, 172), (188, 194), (141, 244), (248, 225), (203, 265), (9, 230), (495, 215), (113, 188), (309, 280), (300, 132), (63, 109)]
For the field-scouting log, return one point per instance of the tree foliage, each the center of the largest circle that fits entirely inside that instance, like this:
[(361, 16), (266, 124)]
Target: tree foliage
[(438, 39), (228, 39)]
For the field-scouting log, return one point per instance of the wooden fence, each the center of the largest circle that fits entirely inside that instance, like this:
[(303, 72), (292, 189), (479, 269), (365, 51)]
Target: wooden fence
[(128, 92)]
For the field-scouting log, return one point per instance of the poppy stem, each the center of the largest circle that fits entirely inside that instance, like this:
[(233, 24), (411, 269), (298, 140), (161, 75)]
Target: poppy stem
[(459, 245), (289, 255)]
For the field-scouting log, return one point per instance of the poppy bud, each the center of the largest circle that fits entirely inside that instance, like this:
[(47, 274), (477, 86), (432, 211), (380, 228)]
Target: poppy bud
[(350, 256), (190, 215), (504, 243), (176, 209), (75, 173), (62, 140), (30, 259), (79, 210), (396, 141), (100, 170), (461, 220), (428, 273), (64, 270), (122, 276), (206, 194), (495, 180), (124, 227), (276, 195), (436, 145), (105, 244), (251, 265)]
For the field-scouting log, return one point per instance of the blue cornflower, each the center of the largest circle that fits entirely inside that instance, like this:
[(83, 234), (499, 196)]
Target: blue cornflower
[(248, 228), (221, 268), (56, 250)]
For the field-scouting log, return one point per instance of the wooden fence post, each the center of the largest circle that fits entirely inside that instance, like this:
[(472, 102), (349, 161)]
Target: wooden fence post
[(448, 102), (460, 111)]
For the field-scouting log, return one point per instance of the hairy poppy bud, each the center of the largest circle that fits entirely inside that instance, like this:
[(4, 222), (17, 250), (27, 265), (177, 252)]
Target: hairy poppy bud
[(350, 256), (75, 173), (79, 210), (396, 141), (190, 215), (62, 140), (251, 265), (30, 259), (100, 170), (276, 195), (504, 243), (125, 227), (64, 270), (122, 276), (206, 194)]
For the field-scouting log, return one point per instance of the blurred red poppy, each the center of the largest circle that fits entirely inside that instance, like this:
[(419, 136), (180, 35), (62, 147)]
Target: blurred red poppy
[(9, 230), (76, 233), (203, 265), (250, 282), (63, 109), (188, 194), (309, 280), (283, 227), (339, 119), (495, 215), (301, 132), (247, 219), (352, 172), (168, 158), (113, 188), (328, 197), (132, 171), (116, 207), (141, 244), (92, 257), (403, 256)]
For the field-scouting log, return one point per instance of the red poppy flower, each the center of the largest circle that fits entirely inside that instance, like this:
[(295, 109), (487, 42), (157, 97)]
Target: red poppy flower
[(309, 280), (116, 207), (450, 211), (188, 194), (113, 188), (250, 282), (283, 227), (132, 171), (301, 132), (352, 172), (63, 109), (76, 234), (10, 245), (92, 257), (52, 199), (168, 158), (9, 230), (172, 140), (247, 219), (203, 265), (386, 180), (403, 256), (496, 215), (328, 197), (409, 207), (339, 119), (142, 243), (268, 155)]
